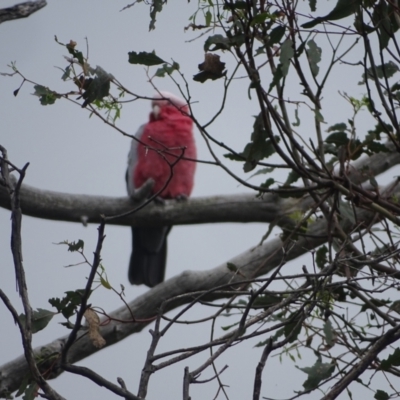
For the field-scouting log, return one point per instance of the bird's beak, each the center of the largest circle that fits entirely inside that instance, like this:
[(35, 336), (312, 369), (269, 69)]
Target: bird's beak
[(156, 111)]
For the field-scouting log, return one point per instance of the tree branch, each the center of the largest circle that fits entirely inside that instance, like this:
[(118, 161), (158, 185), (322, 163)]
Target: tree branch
[(46, 204), (369, 356), (148, 304), (22, 10), (255, 262)]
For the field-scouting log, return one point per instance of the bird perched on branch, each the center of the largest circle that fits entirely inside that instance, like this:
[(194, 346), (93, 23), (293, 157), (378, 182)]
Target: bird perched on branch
[(164, 144)]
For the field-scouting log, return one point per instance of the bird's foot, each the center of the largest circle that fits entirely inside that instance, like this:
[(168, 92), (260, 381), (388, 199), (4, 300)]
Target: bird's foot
[(181, 197)]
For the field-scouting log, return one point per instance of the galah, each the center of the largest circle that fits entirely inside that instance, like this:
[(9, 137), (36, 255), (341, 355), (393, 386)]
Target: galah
[(161, 153)]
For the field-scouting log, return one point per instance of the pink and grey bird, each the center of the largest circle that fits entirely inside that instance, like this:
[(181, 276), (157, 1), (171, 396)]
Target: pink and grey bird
[(161, 140)]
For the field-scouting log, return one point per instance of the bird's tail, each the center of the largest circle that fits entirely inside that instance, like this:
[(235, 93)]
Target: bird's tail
[(149, 255)]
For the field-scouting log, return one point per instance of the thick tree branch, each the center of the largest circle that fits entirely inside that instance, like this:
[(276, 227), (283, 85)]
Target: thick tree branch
[(22, 10), (46, 204)]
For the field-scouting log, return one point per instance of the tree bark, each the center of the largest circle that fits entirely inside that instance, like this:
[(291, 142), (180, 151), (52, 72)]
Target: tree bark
[(22, 10)]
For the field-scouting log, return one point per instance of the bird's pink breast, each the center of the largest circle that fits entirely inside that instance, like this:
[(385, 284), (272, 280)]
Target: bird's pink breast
[(164, 140)]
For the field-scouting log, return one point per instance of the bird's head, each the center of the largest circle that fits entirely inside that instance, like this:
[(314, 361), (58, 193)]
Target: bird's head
[(166, 99)]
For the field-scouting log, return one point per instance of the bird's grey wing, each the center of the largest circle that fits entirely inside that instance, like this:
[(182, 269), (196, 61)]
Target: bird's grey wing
[(132, 161)]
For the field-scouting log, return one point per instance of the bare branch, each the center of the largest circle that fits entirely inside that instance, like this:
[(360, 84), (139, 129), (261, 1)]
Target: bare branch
[(370, 355), (16, 250), (256, 262)]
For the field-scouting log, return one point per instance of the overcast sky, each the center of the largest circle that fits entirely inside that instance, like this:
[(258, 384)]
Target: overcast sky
[(68, 152)]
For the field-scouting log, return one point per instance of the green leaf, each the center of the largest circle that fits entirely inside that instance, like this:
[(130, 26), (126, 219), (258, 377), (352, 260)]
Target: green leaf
[(292, 329), (318, 116), (395, 306), (384, 19), (256, 151), (226, 328), (262, 171), (313, 5), (392, 361), (278, 75), (337, 127), (24, 384), (328, 330), (31, 391), (286, 55), (220, 43), (296, 115), (276, 35), (156, 7), (261, 50), (143, 58), (376, 147), (237, 40), (317, 373), (282, 69), (388, 69), (71, 50), (379, 128), (234, 157), (314, 56), (395, 91), (69, 303), (321, 257), (337, 138), (167, 69), (278, 334), (343, 9), (269, 182), (40, 319), (300, 49), (260, 18), (46, 96), (263, 343), (74, 246), (232, 267), (67, 73), (381, 395), (292, 178), (208, 18), (104, 282), (260, 147)]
